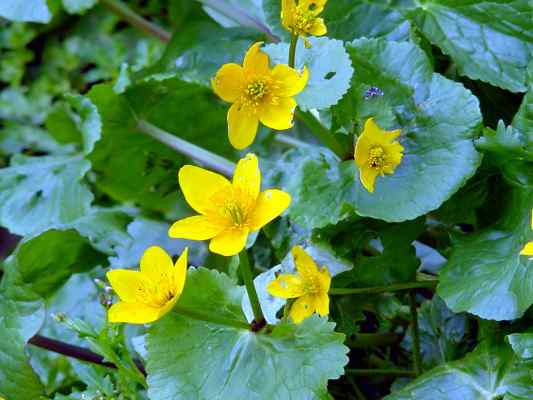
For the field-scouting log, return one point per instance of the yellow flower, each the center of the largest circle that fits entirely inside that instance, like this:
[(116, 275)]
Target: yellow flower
[(310, 286), (258, 93), (229, 211), (148, 294), (528, 248), (376, 153), (300, 17)]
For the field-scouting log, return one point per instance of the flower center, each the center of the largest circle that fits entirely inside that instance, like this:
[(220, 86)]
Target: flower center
[(377, 157), (311, 285), (156, 294), (303, 19), (255, 92), (233, 206)]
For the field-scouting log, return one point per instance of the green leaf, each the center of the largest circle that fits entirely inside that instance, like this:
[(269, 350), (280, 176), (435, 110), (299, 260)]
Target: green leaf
[(437, 117), (485, 274), (272, 11), (330, 70), (511, 147), (78, 6), (442, 333), (75, 121), (132, 166), (352, 19), (37, 192), (489, 372), (291, 362), (522, 344), (25, 11), (39, 266), (491, 40)]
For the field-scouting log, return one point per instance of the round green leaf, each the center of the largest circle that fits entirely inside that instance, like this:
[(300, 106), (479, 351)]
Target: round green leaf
[(189, 359), (485, 274), (489, 372)]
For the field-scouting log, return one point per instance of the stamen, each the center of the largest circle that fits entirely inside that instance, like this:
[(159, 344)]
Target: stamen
[(377, 157)]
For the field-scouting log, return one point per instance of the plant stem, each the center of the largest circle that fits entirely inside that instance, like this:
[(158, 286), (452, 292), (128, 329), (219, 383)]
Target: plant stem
[(321, 132), (134, 19), (384, 372), (213, 318), (383, 289), (248, 279), (202, 156), (240, 16), (292, 50), (417, 359)]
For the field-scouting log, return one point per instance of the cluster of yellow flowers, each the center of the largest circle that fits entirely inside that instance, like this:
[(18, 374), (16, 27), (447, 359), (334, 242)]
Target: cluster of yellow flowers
[(229, 211)]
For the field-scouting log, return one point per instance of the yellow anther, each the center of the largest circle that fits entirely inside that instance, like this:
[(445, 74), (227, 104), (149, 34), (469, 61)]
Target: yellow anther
[(377, 157)]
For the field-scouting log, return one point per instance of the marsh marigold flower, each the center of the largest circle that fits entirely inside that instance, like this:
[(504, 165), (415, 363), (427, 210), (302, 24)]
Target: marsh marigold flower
[(528, 248), (300, 17), (148, 294), (376, 153), (258, 93), (310, 287), (229, 211)]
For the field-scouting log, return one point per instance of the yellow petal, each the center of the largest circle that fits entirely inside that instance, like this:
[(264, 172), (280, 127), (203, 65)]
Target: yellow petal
[(286, 286), (325, 279), (305, 265), (368, 177), (180, 271), (362, 149), (133, 313), (278, 114), (318, 28), (302, 308), (126, 283), (229, 242), (242, 126), (198, 227), (198, 185), (228, 82), (394, 152), (528, 249), (270, 204), (255, 61), (288, 8), (156, 262), (247, 175), (289, 81), (322, 304)]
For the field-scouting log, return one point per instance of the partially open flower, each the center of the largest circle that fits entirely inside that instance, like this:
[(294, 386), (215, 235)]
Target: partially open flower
[(300, 17), (148, 294), (258, 94), (310, 287), (376, 153), (229, 211)]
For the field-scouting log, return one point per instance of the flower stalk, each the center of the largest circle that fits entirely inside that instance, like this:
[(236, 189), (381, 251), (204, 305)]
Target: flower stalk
[(321, 132), (383, 289), (134, 19), (292, 50), (248, 279), (202, 156)]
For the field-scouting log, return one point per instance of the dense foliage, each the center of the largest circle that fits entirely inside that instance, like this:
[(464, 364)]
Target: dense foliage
[(420, 236)]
